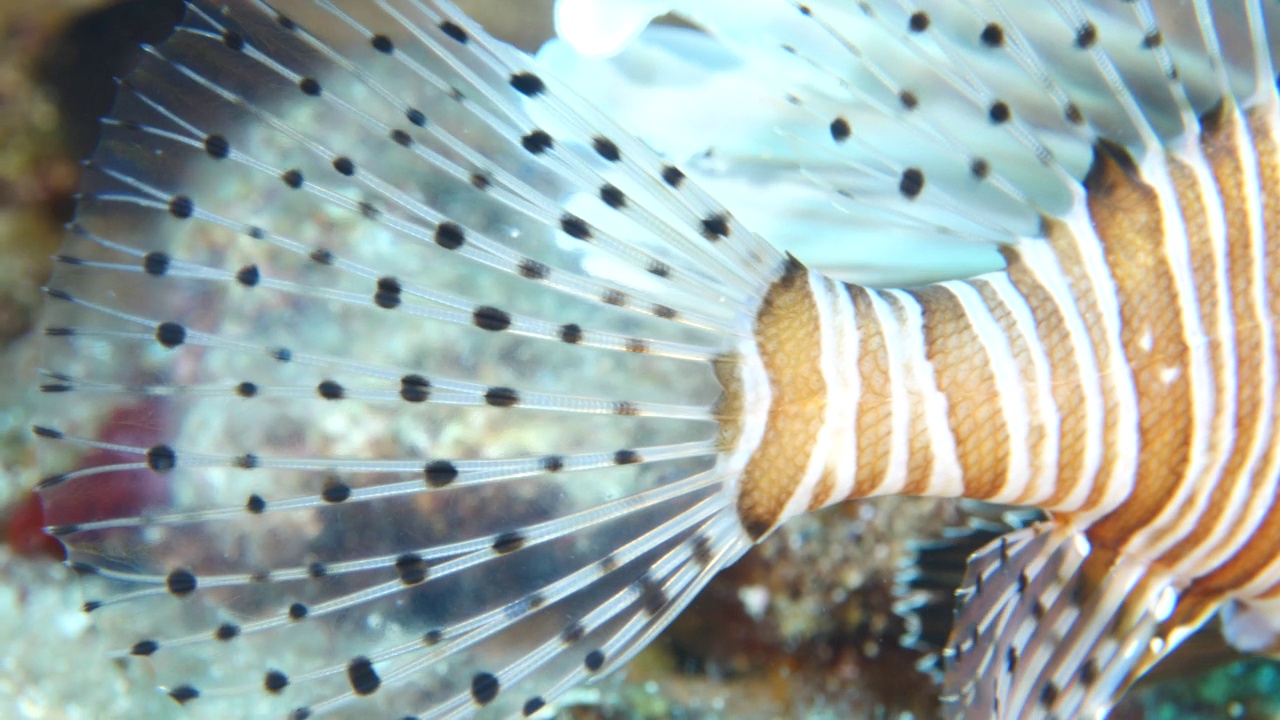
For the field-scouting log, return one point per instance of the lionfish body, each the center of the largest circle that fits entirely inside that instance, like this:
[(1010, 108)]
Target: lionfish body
[(387, 375)]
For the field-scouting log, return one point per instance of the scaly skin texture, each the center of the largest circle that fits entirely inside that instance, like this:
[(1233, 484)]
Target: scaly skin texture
[(785, 329)]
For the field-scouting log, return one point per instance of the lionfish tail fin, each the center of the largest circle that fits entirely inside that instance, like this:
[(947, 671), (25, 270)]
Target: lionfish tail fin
[(380, 371)]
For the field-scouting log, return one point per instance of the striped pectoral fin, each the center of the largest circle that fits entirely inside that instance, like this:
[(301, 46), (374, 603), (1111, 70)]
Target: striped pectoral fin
[(924, 591), (1049, 627)]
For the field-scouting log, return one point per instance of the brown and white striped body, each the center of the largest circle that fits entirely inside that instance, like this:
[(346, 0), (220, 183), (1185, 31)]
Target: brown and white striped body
[(1119, 373)]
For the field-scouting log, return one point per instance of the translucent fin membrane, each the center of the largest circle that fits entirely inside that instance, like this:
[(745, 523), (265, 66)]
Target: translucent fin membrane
[(378, 376), (895, 142)]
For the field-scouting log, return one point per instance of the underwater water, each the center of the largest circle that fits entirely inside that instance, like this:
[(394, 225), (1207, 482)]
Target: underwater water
[(802, 627)]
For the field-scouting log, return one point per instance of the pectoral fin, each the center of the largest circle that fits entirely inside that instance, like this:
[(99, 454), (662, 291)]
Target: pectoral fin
[(1050, 627), (926, 584)]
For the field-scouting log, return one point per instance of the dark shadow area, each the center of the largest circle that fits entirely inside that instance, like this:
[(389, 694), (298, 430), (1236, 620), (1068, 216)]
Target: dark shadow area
[(79, 68)]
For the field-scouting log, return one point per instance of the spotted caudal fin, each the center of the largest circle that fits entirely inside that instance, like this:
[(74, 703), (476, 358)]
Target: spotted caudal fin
[(380, 375), (1047, 627)]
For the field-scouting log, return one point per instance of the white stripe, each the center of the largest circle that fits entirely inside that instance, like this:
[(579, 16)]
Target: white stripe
[(895, 477), (1008, 381), (844, 392), (945, 478), (1045, 466), (829, 363)]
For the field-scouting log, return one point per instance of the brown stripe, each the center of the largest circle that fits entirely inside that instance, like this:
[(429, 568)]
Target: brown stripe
[(1020, 348), (963, 374), (786, 328), (875, 406), (1127, 215), (822, 493), (1064, 376), (919, 445)]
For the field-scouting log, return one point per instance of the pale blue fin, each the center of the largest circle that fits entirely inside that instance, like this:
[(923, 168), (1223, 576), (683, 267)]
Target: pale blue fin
[(987, 111)]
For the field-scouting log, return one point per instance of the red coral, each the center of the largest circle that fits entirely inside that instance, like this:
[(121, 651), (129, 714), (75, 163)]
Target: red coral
[(24, 530), (113, 493)]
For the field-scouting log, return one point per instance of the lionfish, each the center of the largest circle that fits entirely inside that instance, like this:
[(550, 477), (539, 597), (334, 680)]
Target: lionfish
[(385, 376)]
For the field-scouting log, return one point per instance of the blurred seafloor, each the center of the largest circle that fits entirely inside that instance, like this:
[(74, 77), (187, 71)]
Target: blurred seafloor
[(802, 627)]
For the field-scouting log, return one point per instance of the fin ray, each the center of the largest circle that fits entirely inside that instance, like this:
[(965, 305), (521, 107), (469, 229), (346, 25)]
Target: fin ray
[(1049, 627)]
